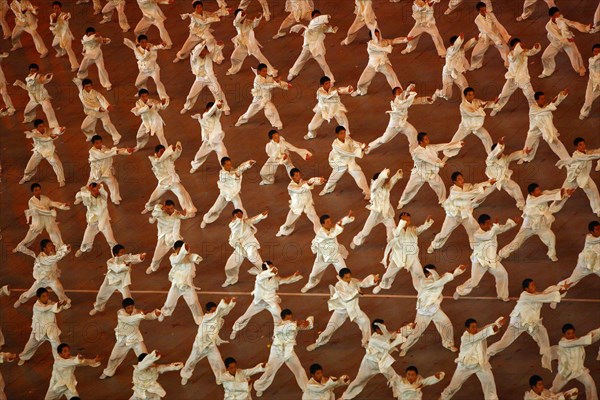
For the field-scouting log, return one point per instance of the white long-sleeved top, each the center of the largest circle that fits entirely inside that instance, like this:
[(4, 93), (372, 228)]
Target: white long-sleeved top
[(456, 62), (43, 142), (485, 248), (35, 86), (316, 390), (202, 67), (381, 345), (344, 295), (263, 86), (325, 244), (146, 57), (163, 167), (299, 8), (284, 336), (243, 230), (559, 33), (364, 9), (146, 373), (63, 372), (404, 247), (423, 13), (119, 269), (92, 101), (404, 390), (276, 151), (43, 322), (542, 118), (579, 166), (400, 105), (210, 325), (92, 46), (537, 213), (211, 130), (473, 114), (459, 203), (346, 152), (101, 162), (237, 387), (548, 395), (2, 77), (589, 257), (571, 355), (41, 211), (200, 22), (230, 182), (245, 33), (517, 64), (25, 13), (150, 9), (148, 112), (429, 298), (498, 168), (329, 103), (426, 162), (60, 27), (473, 348), (594, 68), (97, 207), (168, 226), (45, 266), (301, 195), (183, 268), (490, 28), (266, 286), (526, 314), (380, 193), (127, 331), (314, 34)]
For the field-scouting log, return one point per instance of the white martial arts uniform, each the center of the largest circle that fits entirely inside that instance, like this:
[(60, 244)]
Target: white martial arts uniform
[(342, 159), (108, 10), (301, 201), (163, 168), (329, 106), (63, 37), (571, 356), (472, 116), (4, 7), (323, 390), (298, 10), (43, 148), (498, 169), (517, 76), (404, 390), (402, 252), (147, 66), (97, 4), (365, 16), (207, 341), (102, 169), (454, 68), (377, 359), (46, 274), (343, 302), (4, 357), (485, 259), (153, 15), (491, 33), (202, 68), (245, 245), (62, 381), (379, 61), (473, 359), (43, 328), (145, 377), (42, 214), (380, 207), (117, 278), (579, 167), (95, 107), (279, 154), (313, 45), (230, 185), (459, 211), (399, 119), (246, 44), (38, 96), (92, 54), (26, 21), (429, 301), (97, 219), (4, 291), (128, 337), (525, 317), (261, 100), (422, 13), (9, 108), (263, 3), (529, 7), (168, 232), (201, 32), (537, 220), (152, 123), (541, 124), (426, 169), (212, 135), (548, 395), (181, 276), (265, 298), (592, 91), (588, 261), (238, 386), (327, 251), (282, 351), (562, 39)]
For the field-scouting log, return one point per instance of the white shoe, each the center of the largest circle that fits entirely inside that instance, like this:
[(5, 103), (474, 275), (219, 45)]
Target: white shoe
[(323, 192), (506, 300), (183, 111), (402, 353), (10, 111), (44, 54), (149, 270), (184, 381), (304, 289), (553, 258), (311, 347), (225, 284), (582, 117), (23, 180), (447, 12), (493, 113), (161, 318), (203, 225), (17, 304), (103, 376), (430, 250), (116, 142), (21, 362), (104, 21), (279, 35), (193, 170), (92, 313), (520, 18), (308, 137), (542, 76), (400, 205), (78, 253), (452, 349), (455, 296), (352, 245), (377, 289), (259, 394), (145, 211), (61, 184), (233, 335)]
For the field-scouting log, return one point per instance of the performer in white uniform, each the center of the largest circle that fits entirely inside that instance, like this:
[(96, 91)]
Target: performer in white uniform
[(365, 16), (592, 91), (95, 107), (146, 374), (101, 166), (43, 148), (95, 199), (263, 3), (320, 387), (152, 123), (329, 106), (92, 54), (529, 7), (63, 37), (588, 261), (455, 67), (62, 381), (491, 33), (211, 133), (539, 392), (26, 21), (108, 10), (409, 387), (9, 108), (236, 381), (422, 13), (301, 201), (298, 10), (38, 95), (278, 149), (497, 167), (153, 15), (146, 54)]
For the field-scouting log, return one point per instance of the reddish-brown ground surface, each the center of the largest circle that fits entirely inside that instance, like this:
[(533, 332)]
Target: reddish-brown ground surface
[(82, 277)]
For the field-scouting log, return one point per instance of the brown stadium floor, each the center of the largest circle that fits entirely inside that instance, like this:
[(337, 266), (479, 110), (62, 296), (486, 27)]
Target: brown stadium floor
[(82, 277)]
